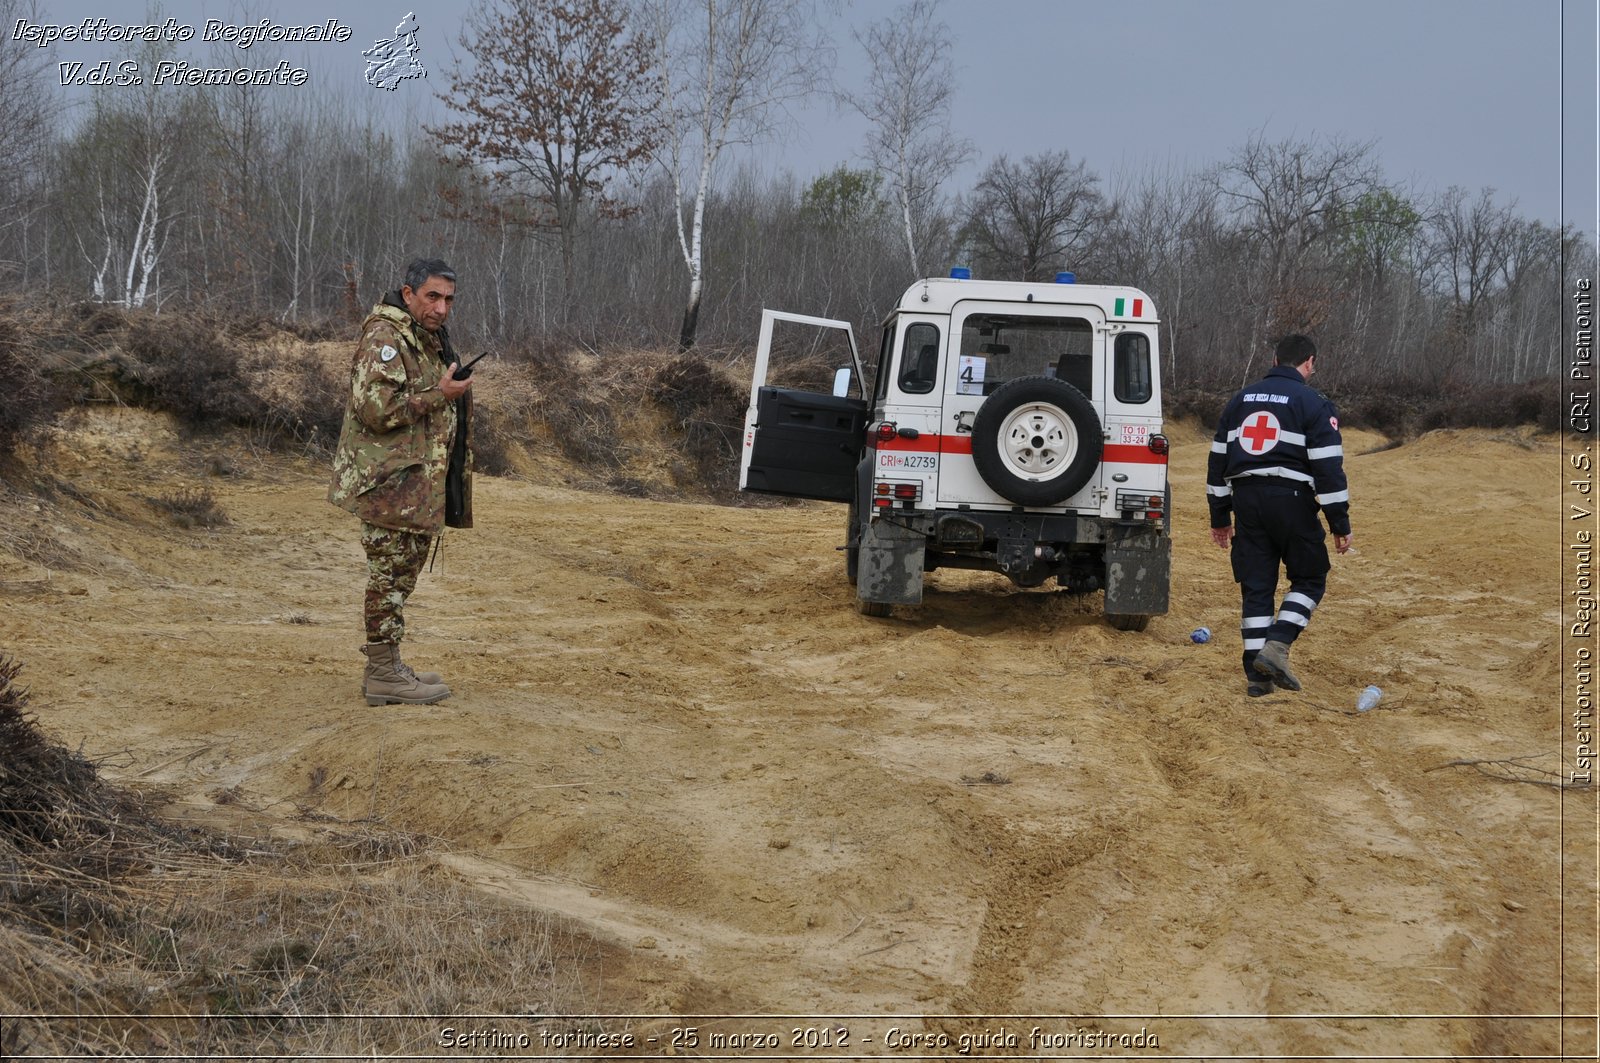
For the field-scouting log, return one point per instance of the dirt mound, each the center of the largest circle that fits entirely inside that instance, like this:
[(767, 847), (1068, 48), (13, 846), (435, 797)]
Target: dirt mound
[(670, 725)]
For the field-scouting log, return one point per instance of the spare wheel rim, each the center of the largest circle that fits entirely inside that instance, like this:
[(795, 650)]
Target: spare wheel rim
[(1037, 441)]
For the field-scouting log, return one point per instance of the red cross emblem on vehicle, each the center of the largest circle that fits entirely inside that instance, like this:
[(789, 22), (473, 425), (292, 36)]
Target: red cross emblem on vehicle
[(1259, 433)]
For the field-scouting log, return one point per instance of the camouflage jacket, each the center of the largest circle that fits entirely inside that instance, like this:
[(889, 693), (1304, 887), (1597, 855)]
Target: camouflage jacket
[(399, 429)]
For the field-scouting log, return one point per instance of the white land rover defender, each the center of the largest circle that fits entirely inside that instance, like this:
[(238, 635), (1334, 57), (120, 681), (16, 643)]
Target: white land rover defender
[(1012, 427)]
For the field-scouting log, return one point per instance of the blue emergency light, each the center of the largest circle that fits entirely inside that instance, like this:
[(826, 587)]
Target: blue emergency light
[(1066, 277), (960, 273)]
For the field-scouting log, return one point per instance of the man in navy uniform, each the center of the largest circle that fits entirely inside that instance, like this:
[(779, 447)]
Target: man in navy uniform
[(1276, 460)]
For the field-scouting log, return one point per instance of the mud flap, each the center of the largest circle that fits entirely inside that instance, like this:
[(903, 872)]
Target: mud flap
[(1138, 572), (890, 565)]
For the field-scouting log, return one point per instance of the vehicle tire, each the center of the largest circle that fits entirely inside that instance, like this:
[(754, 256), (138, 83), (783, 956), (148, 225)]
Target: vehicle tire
[(1036, 441), (852, 546), (1128, 621), (873, 608)]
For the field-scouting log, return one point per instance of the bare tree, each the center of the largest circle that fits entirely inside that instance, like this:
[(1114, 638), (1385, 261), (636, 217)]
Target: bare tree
[(910, 81), (1288, 198), (27, 114), (841, 216), (1469, 240), (556, 102), (1157, 241), (727, 69), (298, 200), (124, 168), (1031, 218), (243, 137), (1371, 244)]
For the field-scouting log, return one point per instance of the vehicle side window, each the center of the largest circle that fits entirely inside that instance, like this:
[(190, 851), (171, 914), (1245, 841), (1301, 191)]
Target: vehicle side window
[(1132, 383), (880, 372), (919, 359)]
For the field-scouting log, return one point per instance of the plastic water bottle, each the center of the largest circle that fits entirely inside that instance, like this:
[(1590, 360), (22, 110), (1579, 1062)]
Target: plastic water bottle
[(1200, 635), (1369, 699)]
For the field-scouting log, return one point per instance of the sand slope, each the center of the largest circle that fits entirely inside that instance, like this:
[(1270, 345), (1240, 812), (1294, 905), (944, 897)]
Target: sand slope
[(671, 724)]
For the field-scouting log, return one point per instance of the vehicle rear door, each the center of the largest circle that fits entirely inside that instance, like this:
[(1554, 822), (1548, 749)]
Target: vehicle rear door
[(993, 342)]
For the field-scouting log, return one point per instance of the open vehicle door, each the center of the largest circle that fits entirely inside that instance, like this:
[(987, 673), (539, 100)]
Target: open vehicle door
[(803, 443)]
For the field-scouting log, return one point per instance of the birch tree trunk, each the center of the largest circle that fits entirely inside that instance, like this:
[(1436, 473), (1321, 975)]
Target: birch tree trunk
[(725, 76)]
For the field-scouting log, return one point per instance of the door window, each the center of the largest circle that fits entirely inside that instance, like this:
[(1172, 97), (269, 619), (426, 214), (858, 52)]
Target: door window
[(1132, 380), (996, 348)]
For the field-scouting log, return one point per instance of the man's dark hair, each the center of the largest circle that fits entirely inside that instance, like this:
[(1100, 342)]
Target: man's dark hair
[(1294, 349), (420, 269)]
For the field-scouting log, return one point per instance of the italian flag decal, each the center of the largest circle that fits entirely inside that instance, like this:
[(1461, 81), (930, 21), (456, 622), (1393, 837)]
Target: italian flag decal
[(1124, 310)]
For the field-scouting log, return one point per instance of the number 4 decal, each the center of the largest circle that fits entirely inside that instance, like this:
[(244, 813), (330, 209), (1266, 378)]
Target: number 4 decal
[(970, 375)]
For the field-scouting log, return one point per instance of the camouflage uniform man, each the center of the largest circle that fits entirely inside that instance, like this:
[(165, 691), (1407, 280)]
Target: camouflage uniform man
[(403, 464)]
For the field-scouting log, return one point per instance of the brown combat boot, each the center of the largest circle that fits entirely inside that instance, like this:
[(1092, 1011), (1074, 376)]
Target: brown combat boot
[(432, 679), (1273, 662), (388, 682)]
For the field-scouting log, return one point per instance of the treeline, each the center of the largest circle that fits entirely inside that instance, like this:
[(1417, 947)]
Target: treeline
[(303, 208)]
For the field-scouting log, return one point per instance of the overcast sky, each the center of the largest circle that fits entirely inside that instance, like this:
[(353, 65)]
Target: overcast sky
[(1449, 92)]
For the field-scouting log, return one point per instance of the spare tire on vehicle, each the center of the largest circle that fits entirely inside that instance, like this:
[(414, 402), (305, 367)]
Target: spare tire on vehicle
[(1036, 441)]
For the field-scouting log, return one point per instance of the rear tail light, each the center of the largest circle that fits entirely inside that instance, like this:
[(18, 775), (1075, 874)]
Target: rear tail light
[(1158, 444), (1149, 506), (885, 493), (887, 431)]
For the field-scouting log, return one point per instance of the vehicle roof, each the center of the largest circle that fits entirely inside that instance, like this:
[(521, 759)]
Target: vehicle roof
[(938, 295)]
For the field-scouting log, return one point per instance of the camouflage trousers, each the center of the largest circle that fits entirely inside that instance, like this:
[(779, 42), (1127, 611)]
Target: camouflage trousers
[(394, 561)]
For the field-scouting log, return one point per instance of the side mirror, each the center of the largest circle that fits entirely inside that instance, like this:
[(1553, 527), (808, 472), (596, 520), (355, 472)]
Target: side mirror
[(841, 382)]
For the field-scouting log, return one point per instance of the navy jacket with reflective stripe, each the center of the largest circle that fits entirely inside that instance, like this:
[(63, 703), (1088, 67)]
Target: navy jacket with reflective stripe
[(1284, 428)]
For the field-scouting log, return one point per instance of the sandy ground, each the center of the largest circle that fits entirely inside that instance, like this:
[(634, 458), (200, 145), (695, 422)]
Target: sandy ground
[(670, 724)]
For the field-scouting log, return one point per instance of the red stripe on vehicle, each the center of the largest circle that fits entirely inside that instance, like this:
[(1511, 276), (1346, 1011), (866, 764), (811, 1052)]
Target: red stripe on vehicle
[(1127, 453), (1132, 454), (923, 444)]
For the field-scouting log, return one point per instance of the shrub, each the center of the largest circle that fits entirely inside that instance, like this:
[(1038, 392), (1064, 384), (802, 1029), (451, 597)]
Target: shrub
[(709, 410), (191, 372), (207, 379), (55, 809), (1388, 411), (1203, 405), (1489, 405), (32, 400), (300, 399), (1406, 408), (586, 430)]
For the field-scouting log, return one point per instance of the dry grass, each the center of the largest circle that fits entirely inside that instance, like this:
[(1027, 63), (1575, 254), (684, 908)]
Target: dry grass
[(144, 938), (39, 546), (648, 423), (191, 507), (639, 422)]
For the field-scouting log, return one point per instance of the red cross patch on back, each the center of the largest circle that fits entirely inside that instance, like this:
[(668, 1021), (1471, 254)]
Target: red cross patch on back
[(1259, 433)]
